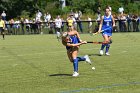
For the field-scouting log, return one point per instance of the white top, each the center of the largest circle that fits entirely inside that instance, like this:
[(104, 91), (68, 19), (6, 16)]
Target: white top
[(121, 9), (48, 17), (90, 23), (58, 23), (3, 14), (76, 15), (39, 14)]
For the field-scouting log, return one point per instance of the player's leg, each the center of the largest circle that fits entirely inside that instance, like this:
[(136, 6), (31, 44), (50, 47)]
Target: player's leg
[(69, 54), (72, 55), (75, 61), (103, 45), (108, 46)]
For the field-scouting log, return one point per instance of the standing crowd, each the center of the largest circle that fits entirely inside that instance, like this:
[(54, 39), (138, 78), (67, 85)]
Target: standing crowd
[(124, 22)]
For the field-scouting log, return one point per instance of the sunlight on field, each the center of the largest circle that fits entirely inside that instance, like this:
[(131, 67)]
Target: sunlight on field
[(39, 64)]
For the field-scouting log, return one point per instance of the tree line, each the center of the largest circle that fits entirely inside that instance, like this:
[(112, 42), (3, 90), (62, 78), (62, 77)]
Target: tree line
[(28, 8)]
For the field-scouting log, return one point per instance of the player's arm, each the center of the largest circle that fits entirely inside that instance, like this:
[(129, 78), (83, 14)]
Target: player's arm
[(78, 44), (101, 23), (75, 33), (78, 35)]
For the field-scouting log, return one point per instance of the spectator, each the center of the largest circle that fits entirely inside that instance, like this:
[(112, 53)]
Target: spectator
[(30, 22), (17, 26), (115, 29), (129, 23), (75, 22), (76, 15), (8, 28), (51, 27), (71, 12), (39, 26), (12, 26), (137, 23), (80, 14), (98, 19), (80, 24), (27, 25), (34, 27), (89, 25), (22, 25), (62, 26), (70, 22), (2, 27), (121, 10), (98, 13), (47, 18), (58, 23), (123, 22), (3, 15), (38, 15)]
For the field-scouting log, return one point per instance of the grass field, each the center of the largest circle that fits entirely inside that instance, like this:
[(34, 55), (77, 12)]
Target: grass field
[(38, 64)]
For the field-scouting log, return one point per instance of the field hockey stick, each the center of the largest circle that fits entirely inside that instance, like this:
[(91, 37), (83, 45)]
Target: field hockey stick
[(92, 42)]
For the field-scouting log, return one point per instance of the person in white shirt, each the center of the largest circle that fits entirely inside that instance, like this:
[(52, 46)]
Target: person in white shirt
[(3, 15), (121, 10), (89, 25), (38, 15), (58, 24), (27, 25), (17, 24), (47, 17), (80, 14), (76, 15)]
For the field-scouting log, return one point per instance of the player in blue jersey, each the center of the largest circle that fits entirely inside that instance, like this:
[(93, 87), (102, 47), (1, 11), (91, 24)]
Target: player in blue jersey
[(107, 23), (72, 42)]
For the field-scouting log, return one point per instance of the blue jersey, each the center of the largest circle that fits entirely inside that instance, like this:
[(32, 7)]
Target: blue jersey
[(107, 23), (73, 40)]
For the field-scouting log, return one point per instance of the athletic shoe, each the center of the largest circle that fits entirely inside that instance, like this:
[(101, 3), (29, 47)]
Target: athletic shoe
[(87, 59), (107, 54), (75, 74), (101, 52)]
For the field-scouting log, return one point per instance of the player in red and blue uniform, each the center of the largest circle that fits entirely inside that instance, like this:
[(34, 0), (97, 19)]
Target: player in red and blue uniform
[(106, 25)]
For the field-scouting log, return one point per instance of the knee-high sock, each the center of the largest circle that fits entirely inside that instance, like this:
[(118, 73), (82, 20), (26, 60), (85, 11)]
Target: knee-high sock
[(81, 59), (75, 64), (103, 46), (107, 48)]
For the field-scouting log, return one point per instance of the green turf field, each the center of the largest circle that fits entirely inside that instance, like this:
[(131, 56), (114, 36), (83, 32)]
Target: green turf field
[(38, 64)]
